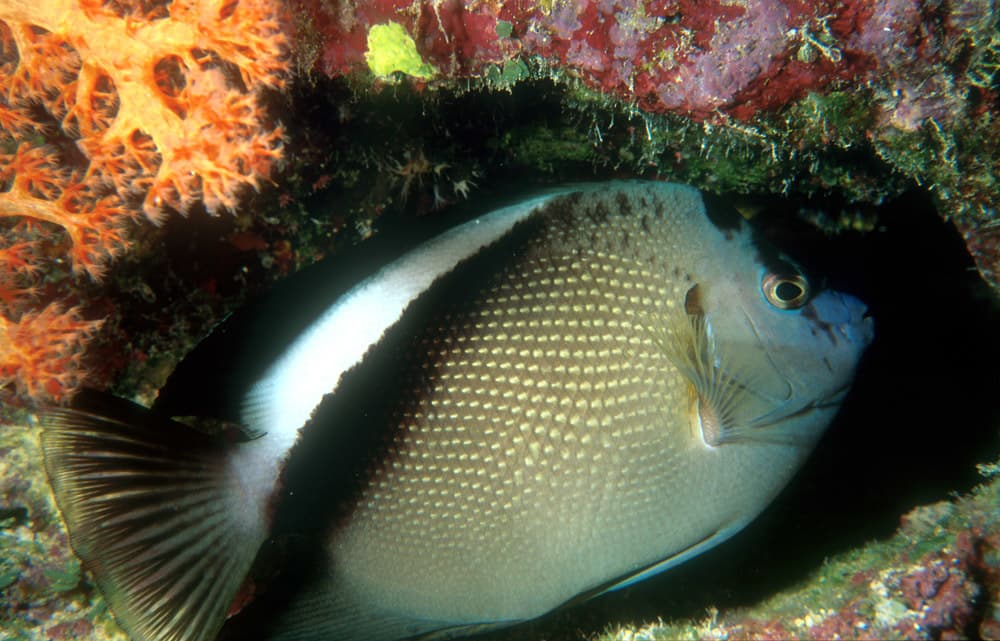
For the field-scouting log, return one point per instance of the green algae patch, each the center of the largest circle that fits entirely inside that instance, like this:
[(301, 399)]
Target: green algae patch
[(504, 29), (505, 76), (546, 150), (64, 578), (391, 49), (8, 574)]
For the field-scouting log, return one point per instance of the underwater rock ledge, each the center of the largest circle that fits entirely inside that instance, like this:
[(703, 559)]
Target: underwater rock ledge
[(802, 90)]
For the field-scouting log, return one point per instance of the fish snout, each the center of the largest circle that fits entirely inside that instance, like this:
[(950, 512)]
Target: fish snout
[(845, 315)]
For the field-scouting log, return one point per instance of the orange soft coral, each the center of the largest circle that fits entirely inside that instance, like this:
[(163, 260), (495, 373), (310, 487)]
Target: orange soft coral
[(40, 354), (40, 189), (161, 98), (114, 108)]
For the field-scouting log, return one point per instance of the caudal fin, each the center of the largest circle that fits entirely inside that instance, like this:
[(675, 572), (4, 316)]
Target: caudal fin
[(154, 512)]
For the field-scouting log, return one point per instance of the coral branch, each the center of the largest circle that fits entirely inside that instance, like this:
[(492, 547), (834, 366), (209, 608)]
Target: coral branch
[(111, 109), (40, 354)]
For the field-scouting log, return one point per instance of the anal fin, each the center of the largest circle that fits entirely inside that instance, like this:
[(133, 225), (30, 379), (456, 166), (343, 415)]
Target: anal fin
[(154, 512), (325, 609)]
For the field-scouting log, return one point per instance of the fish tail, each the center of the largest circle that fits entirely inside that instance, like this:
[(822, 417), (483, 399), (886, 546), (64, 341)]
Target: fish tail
[(156, 515)]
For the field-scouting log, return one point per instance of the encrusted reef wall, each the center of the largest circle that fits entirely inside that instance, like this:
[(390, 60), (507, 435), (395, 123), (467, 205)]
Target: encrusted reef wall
[(801, 89)]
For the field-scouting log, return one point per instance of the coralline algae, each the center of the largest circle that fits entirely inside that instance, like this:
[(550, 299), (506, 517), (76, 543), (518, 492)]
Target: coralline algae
[(686, 57)]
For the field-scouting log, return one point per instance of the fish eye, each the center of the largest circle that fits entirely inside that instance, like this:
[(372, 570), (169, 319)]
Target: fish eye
[(785, 291)]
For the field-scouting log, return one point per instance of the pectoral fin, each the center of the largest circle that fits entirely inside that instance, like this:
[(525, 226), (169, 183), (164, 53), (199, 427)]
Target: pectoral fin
[(728, 409)]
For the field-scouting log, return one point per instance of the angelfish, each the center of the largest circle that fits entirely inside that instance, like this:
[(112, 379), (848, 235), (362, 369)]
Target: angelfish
[(551, 401)]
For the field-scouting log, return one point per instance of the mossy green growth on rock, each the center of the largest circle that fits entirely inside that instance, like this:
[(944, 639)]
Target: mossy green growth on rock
[(505, 76), (543, 149), (392, 49)]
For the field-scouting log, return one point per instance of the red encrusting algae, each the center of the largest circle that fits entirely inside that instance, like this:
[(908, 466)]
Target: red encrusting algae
[(702, 59)]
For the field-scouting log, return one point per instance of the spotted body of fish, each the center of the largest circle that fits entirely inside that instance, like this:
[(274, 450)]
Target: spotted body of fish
[(548, 402)]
